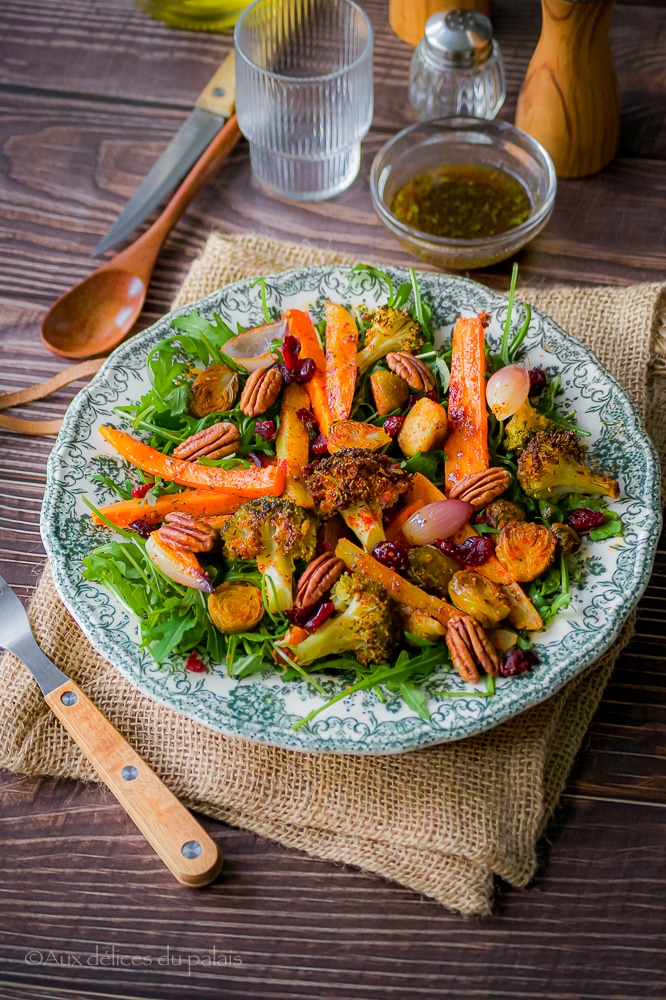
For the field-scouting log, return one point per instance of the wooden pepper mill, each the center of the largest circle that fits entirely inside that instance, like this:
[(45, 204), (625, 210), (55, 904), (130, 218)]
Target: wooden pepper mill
[(408, 17), (570, 100)]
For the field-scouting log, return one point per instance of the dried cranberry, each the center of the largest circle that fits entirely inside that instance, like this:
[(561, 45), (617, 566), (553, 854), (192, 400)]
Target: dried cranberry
[(305, 371), (306, 416), (583, 519), (318, 447), (291, 348), (518, 661), (261, 461), (538, 381), (265, 429), (139, 492), (195, 663), (395, 555), (412, 399), (432, 395), (142, 527), (393, 425), (474, 551), (324, 611), (298, 616)]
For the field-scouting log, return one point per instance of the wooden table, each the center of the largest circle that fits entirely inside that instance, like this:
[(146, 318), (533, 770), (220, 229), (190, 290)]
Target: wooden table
[(91, 93)]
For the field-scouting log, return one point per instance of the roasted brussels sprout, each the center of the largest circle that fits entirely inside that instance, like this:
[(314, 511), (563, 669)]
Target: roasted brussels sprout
[(214, 390), (525, 549), (500, 512), (479, 597), (431, 569), (236, 606), (568, 539)]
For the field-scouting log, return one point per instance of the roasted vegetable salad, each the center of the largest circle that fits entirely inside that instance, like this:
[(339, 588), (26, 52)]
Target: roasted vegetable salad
[(332, 495)]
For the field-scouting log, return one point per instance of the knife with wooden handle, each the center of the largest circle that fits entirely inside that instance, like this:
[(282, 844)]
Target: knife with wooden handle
[(180, 841), (212, 109)]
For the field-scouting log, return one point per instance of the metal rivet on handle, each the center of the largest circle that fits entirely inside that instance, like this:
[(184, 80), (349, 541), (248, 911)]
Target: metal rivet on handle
[(69, 698), (192, 849), (129, 772)]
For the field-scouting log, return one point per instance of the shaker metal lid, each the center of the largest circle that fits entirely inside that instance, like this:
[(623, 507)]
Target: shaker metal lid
[(459, 37)]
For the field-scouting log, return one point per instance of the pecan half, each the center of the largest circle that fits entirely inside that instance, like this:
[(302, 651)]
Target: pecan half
[(261, 390), (411, 370), (317, 579), (471, 649), (183, 531), (212, 442), (481, 488)]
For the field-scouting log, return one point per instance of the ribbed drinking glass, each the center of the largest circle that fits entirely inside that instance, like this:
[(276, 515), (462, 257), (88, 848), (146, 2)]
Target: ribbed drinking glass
[(304, 93)]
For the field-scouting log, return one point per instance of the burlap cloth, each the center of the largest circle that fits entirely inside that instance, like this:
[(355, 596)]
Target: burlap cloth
[(444, 820)]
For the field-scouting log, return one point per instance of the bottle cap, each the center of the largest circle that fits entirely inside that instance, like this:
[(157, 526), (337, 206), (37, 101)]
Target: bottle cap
[(459, 37)]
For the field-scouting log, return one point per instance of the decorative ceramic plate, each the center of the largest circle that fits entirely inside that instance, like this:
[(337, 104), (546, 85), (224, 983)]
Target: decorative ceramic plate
[(263, 708)]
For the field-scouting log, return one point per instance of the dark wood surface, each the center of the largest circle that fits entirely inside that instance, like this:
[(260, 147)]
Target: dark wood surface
[(90, 92)]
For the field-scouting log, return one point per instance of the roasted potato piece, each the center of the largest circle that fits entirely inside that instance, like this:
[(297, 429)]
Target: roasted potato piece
[(568, 539), (389, 392), (525, 550), (213, 390), (354, 434), (479, 597), (421, 625), (500, 512), (424, 428), (236, 606), (431, 569)]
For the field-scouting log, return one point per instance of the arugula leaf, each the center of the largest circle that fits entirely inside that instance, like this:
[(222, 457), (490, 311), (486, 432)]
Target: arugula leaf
[(213, 332), (427, 463), (444, 373), (415, 699), (124, 492), (611, 528), (422, 310)]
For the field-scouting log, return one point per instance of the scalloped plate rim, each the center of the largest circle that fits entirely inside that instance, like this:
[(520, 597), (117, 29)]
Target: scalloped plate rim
[(420, 739)]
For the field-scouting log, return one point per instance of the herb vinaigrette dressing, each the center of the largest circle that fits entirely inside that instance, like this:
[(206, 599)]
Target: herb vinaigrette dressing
[(462, 202)]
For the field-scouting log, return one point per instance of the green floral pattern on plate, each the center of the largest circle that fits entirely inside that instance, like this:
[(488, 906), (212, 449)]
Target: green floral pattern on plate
[(262, 708)]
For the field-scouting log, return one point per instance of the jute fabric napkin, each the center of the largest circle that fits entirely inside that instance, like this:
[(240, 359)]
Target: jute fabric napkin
[(444, 820)]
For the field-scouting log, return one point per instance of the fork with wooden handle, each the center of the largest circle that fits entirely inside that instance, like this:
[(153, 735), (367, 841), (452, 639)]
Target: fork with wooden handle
[(179, 840)]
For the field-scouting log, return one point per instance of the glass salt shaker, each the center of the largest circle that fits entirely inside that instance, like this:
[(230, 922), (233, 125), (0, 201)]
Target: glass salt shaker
[(457, 68)]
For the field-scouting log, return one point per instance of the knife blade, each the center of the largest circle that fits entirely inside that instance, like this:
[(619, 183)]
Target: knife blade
[(180, 841), (212, 109)]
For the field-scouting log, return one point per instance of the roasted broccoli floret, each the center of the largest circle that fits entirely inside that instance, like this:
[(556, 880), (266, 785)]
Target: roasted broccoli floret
[(358, 484), (391, 330), (274, 532), (366, 624), (552, 465), (524, 424)]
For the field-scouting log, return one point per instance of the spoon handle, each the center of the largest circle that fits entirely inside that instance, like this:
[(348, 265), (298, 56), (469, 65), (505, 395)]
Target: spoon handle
[(209, 161)]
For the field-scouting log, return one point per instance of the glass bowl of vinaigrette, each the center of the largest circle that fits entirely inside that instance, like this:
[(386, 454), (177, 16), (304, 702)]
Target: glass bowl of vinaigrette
[(463, 193)]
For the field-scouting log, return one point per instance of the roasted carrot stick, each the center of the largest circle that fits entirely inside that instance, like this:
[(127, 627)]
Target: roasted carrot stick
[(292, 444), (467, 441), (341, 347), (200, 503), (239, 482), (300, 325), (396, 586)]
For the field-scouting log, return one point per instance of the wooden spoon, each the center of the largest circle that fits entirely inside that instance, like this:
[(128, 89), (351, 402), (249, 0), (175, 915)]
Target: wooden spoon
[(95, 315)]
